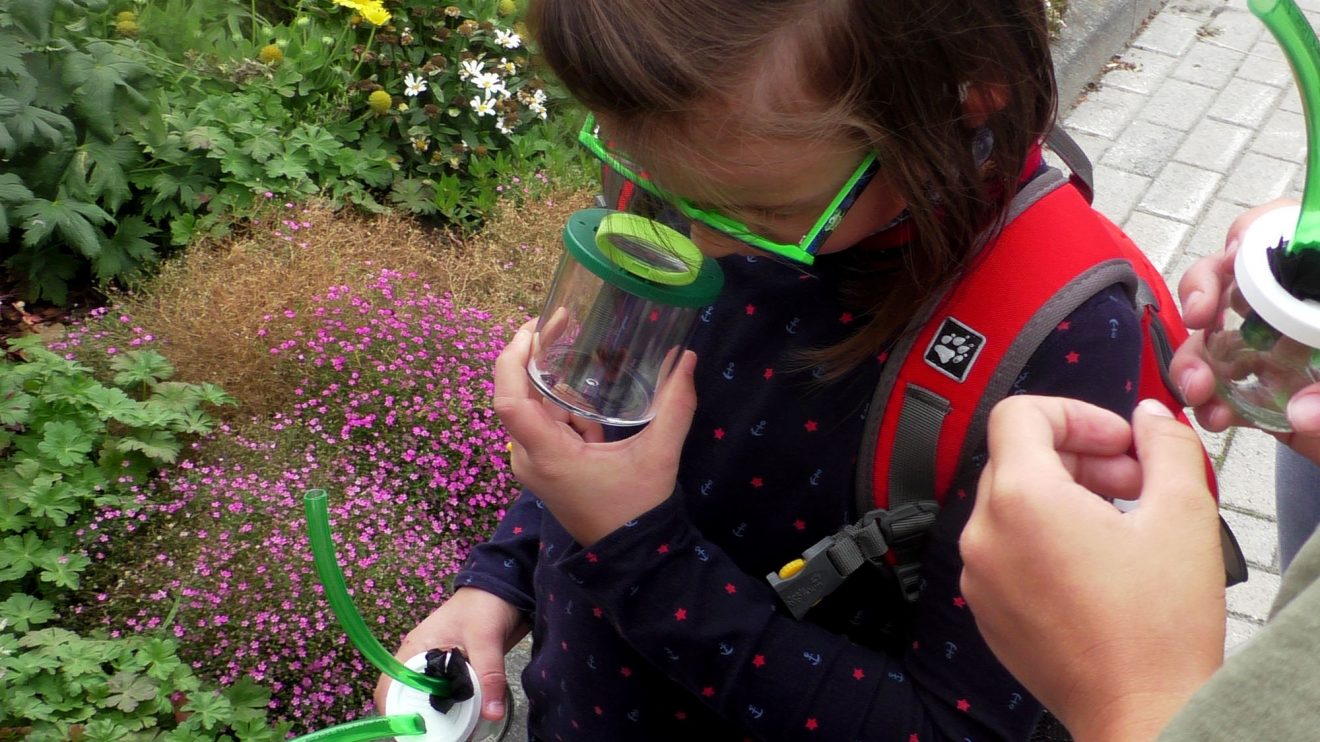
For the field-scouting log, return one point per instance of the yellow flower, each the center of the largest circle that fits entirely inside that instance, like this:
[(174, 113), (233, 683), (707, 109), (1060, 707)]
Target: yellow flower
[(379, 101), (508, 7), (126, 28), (126, 15), (372, 10), (271, 54)]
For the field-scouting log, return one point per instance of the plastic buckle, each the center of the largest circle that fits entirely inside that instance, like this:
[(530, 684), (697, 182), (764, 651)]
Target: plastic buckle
[(904, 531), (803, 582)]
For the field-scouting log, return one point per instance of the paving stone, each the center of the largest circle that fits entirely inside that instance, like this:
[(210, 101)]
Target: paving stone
[(1208, 235), (1117, 191), (1292, 100), (1257, 179), (1253, 598), (1239, 634), (1177, 104), (1214, 443), (1180, 191), (1246, 478), (1140, 70), (1106, 112), (1169, 33), (1094, 146), (1232, 29), (1158, 237), (1213, 145), (1143, 149), (1258, 537), (1283, 136), (1209, 64), (1244, 103), (1265, 64)]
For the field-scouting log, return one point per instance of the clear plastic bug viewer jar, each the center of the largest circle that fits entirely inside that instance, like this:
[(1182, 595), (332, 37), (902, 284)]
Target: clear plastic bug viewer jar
[(1265, 344), (625, 300)]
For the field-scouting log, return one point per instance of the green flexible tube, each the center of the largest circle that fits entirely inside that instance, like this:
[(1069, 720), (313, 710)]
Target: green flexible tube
[(332, 578), (1285, 20), (363, 730)]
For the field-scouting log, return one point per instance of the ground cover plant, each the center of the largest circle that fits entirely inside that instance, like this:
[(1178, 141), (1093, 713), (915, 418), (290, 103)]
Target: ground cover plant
[(383, 384)]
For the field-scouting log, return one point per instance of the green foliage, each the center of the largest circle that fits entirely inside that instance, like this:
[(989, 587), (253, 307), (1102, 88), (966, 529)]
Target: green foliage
[(71, 443), (57, 685), (67, 97)]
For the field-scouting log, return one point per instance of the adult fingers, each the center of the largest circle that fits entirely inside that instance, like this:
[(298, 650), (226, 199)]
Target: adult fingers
[(1029, 435), (1172, 460), (1304, 416)]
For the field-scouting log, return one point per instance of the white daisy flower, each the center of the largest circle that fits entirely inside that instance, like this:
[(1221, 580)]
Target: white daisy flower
[(470, 68), (507, 39), (538, 96), (488, 83), (483, 107), (503, 126), (507, 67), (414, 85)]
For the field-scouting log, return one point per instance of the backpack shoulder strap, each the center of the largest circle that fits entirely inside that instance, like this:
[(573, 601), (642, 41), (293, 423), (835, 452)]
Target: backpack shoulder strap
[(928, 414)]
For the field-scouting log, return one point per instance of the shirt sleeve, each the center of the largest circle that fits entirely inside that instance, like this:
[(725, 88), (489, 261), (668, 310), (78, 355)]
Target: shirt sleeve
[(504, 565), (681, 601)]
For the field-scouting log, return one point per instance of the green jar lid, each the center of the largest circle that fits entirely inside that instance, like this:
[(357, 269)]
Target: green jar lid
[(642, 257)]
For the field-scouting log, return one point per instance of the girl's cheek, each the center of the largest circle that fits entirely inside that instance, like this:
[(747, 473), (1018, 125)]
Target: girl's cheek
[(716, 245)]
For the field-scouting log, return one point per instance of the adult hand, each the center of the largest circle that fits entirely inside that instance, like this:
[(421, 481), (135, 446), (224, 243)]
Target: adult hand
[(483, 626), (591, 486), (1111, 619), (1200, 290)]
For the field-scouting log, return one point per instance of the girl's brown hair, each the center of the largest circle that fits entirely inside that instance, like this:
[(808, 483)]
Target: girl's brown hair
[(892, 74)]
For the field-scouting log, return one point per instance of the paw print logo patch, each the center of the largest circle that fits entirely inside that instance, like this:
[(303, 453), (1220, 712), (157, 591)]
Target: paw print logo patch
[(954, 349)]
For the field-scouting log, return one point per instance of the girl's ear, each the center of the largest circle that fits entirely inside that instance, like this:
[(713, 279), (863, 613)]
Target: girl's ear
[(981, 99)]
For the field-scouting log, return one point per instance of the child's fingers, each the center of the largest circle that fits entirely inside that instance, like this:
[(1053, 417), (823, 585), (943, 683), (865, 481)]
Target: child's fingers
[(519, 406), (675, 402)]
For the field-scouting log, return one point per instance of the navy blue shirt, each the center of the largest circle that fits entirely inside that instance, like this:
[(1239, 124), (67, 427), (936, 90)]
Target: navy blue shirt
[(667, 629)]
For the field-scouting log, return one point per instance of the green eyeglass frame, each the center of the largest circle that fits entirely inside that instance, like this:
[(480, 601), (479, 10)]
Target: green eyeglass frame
[(804, 251)]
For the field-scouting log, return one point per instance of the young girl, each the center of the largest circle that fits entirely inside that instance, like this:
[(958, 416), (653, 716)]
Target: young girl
[(639, 564)]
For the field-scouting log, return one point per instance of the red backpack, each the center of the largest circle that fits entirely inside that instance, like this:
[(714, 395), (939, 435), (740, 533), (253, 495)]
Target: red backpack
[(926, 424)]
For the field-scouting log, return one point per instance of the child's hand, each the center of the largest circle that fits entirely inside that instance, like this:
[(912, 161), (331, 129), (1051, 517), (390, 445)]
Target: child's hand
[(483, 626), (1200, 290), (1111, 619), (591, 486)]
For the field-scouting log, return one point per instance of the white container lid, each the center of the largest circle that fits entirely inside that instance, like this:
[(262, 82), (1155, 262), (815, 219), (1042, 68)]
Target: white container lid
[(455, 726), (1298, 319)]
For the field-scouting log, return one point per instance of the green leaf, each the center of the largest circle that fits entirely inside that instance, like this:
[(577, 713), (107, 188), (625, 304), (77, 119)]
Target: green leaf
[(15, 407), (110, 402), (210, 708), (128, 690), (106, 730), (95, 77), (34, 126), (33, 17), (139, 367), (126, 253), (73, 219), (12, 189), (320, 145), (20, 555), (214, 395), (96, 172), (65, 442), (52, 498), (291, 165), (11, 56), (64, 570), (193, 422), (12, 518), (23, 611), (157, 444)]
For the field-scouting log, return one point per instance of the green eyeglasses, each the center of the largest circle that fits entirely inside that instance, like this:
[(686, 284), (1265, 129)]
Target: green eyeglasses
[(804, 251)]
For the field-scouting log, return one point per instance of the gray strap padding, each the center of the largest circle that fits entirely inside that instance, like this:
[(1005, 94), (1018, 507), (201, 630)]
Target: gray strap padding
[(1039, 187), (1062, 144), (912, 464), (1086, 285)]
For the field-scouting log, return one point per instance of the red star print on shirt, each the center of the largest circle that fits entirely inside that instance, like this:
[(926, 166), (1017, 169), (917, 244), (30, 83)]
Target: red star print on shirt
[(591, 557), (680, 614), (800, 524), (750, 309), (730, 588), (811, 426), (1064, 326), (963, 705), (811, 724), (858, 674), (759, 660), (757, 482), (517, 530), (719, 434), (708, 692), (769, 373), (662, 549), (960, 602), (1073, 357), (845, 318)]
